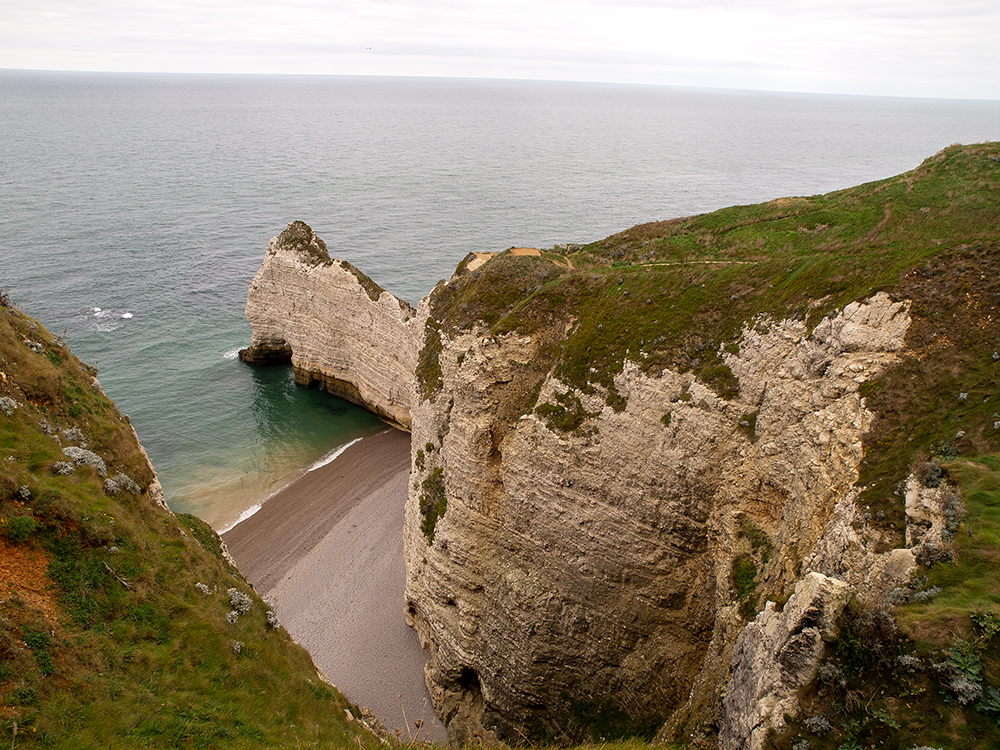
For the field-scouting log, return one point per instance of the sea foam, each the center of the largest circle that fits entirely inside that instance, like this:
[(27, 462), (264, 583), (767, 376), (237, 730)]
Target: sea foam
[(332, 455)]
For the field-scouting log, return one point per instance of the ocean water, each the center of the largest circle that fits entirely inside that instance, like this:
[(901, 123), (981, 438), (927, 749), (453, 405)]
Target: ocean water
[(135, 209)]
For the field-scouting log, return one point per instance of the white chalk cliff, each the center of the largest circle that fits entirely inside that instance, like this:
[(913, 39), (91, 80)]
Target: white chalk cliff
[(590, 574), (561, 579), (339, 329)]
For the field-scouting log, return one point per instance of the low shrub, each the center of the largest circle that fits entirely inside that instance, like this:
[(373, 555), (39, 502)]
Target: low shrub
[(18, 529)]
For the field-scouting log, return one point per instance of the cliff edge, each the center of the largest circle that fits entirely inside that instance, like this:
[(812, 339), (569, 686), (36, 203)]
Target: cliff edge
[(339, 329), (692, 480)]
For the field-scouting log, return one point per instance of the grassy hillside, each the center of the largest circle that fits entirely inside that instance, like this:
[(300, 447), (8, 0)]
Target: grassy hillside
[(116, 625)]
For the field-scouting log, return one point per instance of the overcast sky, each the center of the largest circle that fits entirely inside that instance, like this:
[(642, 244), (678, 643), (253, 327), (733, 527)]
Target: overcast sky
[(927, 48)]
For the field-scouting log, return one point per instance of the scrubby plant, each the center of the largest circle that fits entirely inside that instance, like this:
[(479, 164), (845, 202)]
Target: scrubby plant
[(63, 468), (18, 529), (831, 675), (299, 237), (987, 622), (82, 456), (990, 704), (121, 483), (927, 594), (870, 640), (744, 577), (239, 602), (433, 502), (964, 658), (566, 415), (818, 724)]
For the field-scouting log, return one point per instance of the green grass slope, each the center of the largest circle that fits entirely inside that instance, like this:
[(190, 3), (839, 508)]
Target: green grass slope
[(115, 622)]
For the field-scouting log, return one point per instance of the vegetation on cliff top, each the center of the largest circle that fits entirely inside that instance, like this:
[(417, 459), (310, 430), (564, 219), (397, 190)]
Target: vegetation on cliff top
[(677, 294), (673, 293), (300, 238), (120, 624)]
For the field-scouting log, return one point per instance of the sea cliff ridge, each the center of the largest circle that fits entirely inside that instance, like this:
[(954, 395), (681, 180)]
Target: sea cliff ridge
[(655, 478), (295, 306)]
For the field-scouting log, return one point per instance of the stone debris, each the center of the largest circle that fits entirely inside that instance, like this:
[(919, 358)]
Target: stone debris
[(776, 655)]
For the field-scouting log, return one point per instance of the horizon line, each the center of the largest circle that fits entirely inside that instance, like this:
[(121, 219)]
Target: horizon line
[(714, 89)]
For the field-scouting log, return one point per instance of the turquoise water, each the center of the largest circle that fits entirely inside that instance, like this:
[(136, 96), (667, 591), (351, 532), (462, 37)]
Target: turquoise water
[(136, 209)]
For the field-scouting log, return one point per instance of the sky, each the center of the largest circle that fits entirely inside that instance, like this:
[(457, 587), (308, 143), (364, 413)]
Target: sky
[(920, 48)]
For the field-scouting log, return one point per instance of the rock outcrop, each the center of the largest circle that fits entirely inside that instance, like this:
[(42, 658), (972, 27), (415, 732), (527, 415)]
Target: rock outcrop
[(593, 577), (626, 455), (338, 328), (775, 656), (579, 581)]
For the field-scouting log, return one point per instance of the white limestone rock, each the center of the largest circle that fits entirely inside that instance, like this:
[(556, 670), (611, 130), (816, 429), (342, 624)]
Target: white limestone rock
[(775, 656), (339, 329)]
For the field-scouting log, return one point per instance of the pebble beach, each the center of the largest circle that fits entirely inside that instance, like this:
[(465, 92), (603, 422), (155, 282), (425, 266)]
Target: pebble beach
[(328, 551)]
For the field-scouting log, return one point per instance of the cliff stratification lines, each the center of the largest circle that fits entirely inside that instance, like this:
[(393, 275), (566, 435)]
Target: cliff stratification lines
[(339, 329)]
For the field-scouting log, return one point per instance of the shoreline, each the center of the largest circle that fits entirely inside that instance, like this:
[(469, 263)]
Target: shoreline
[(328, 551), (293, 520), (318, 464)]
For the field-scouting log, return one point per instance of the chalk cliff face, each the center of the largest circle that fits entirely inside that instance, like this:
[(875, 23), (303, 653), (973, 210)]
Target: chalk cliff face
[(648, 473), (602, 575), (339, 329), (574, 580)]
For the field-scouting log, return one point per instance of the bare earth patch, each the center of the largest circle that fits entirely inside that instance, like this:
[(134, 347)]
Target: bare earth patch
[(23, 575)]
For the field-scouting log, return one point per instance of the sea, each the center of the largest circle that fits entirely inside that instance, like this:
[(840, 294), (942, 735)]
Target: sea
[(136, 208)]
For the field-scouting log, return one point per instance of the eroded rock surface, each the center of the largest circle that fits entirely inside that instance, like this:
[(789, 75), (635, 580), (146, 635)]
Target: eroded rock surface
[(338, 328), (776, 655), (583, 579)]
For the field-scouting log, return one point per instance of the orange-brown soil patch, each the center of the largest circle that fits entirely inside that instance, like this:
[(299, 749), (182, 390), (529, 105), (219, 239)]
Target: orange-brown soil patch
[(23, 574)]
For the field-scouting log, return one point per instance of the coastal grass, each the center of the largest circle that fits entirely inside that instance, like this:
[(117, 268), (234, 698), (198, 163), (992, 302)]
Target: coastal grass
[(130, 641), (676, 293), (969, 582)]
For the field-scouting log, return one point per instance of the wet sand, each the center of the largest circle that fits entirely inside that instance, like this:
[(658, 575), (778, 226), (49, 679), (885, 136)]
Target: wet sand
[(328, 550)]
